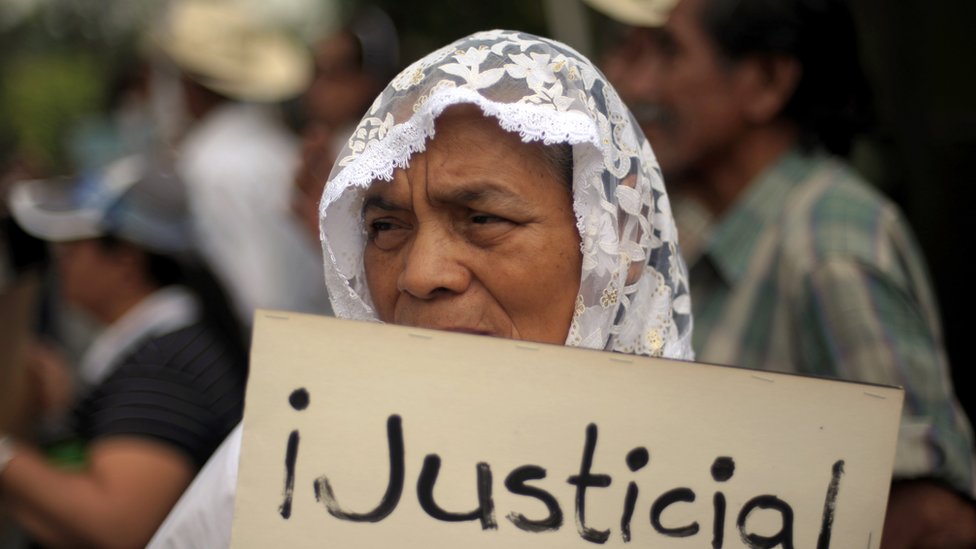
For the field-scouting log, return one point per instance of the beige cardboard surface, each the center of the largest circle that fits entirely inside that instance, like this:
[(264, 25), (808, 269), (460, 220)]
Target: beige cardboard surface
[(808, 458)]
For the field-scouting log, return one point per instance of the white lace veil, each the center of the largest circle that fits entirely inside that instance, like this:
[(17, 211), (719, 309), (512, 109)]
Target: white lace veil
[(633, 295)]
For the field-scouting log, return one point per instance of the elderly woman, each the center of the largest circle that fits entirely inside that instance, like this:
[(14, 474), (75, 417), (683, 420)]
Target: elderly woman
[(497, 186)]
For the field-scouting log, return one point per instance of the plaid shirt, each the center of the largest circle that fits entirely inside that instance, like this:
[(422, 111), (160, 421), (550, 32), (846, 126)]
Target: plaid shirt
[(813, 272)]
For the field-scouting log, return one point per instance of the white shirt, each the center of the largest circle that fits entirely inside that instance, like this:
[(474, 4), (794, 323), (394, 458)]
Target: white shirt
[(203, 516), (238, 164)]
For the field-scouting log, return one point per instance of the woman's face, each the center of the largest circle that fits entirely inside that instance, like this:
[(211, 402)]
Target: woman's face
[(477, 235)]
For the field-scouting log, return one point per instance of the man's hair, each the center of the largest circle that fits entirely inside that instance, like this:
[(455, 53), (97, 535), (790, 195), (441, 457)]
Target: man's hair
[(163, 270), (831, 104)]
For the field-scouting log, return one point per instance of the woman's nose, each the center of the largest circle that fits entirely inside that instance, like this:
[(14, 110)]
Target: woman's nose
[(433, 264)]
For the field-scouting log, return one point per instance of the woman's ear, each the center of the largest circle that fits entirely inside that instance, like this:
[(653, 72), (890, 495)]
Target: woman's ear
[(767, 83)]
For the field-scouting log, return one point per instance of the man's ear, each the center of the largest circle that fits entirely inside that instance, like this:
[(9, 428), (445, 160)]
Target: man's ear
[(767, 83)]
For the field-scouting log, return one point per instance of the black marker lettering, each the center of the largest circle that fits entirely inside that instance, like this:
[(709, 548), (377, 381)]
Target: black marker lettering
[(324, 492), (630, 501), (291, 454), (784, 537), (298, 399), (830, 503), (722, 470), (425, 494), (665, 501), (718, 529), (515, 482), (586, 480), (636, 460)]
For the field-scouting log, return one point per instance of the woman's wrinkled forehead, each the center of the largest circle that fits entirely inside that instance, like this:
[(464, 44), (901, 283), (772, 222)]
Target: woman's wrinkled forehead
[(471, 148), (460, 131)]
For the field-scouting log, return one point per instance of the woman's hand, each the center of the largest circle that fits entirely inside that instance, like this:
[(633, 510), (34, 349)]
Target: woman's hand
[(49, 379)]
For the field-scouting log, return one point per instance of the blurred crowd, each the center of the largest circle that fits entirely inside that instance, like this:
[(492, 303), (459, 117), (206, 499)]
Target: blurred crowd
[(128, 287)]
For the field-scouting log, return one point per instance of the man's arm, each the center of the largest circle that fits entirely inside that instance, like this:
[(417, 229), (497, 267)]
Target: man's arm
[(862, 324), (924, 514)]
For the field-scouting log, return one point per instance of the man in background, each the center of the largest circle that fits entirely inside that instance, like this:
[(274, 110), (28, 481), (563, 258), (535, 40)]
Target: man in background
[(632, 60), (238, 158), (804, 267), (352, 65)]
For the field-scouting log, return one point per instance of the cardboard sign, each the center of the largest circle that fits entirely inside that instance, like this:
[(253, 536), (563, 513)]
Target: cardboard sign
[(366, 435)]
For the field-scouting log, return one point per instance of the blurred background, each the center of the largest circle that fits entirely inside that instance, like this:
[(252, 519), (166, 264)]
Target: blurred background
[(66, 66)]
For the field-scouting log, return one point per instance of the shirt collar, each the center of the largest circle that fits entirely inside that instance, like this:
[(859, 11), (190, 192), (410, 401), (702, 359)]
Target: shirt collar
[(165, 310), (735, 235)]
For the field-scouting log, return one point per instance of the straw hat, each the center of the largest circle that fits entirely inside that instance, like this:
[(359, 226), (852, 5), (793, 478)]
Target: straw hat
[(223, 48), (639, 13)]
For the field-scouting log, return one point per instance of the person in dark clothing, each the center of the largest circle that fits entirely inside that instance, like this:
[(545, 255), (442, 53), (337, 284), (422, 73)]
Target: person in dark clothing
[(161, 385), (803, 267)]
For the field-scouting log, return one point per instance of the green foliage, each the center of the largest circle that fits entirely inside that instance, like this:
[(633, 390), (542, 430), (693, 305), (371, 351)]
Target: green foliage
[(42, 95)]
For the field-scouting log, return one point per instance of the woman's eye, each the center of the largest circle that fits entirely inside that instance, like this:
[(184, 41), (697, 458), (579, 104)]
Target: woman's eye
[(386, 233), (484, 219), (486, 229), (380, 225)]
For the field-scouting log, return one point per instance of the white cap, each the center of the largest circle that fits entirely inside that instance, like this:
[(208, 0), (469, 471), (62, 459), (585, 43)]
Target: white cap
[(131, 199)]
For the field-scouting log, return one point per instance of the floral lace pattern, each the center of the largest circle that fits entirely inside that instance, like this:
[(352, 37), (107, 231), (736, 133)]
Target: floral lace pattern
[(633, 294)]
